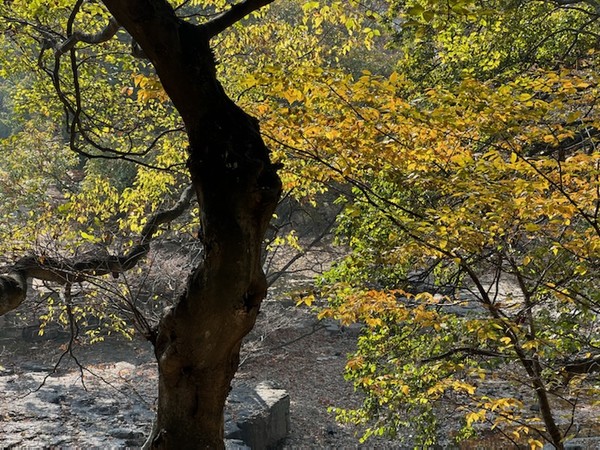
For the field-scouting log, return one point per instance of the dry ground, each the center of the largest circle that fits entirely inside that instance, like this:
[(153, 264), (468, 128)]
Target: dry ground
[(113, 407), (114, 404)]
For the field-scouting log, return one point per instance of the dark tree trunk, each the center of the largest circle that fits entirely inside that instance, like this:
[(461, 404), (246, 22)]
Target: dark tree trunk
[(198, 340)]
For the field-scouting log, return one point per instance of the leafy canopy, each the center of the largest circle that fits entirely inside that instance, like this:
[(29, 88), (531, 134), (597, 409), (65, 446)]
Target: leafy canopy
[(472, 217)]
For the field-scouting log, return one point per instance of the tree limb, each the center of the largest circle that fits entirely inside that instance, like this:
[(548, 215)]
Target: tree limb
[(465, 351), (234, 14), (593, 3), (102, 36), (13, 285), (583, 366), (13, 290)]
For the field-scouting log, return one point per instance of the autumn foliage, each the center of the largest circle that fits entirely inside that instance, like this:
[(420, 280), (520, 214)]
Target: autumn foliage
[(463, 139), (473, 223)]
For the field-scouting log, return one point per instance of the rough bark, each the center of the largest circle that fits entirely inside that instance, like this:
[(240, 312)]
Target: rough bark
[(198, 340)]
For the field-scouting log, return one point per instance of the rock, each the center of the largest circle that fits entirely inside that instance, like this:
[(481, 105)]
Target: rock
[(333, 326), (34, 367), (235, 444), (56, 398), (106, 410), (124, 433), (52, 333), (124, 367), (83, 403), (5, 372), (584, 443), (258, 417)]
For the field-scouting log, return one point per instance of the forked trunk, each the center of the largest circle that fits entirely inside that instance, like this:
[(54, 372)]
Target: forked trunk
[(198, 340)]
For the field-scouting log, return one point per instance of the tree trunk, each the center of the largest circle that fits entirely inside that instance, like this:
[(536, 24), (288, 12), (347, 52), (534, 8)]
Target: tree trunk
[(198, 340)]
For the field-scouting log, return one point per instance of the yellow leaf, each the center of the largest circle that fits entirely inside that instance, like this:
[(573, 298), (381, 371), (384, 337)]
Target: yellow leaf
[(535, 444), (87, 237), (306, 300), (524, 97), (475, 417), (373, 322), (355, 363), (310, 5), (531, 227), (292, 95)]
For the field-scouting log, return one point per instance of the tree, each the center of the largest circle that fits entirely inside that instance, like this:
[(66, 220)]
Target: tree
[(131, 134), (197, 341), (444, 153), (473, 222), (474, 168)]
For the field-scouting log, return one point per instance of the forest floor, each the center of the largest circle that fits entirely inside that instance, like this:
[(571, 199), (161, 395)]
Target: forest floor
[(106, 398), (109, 400)]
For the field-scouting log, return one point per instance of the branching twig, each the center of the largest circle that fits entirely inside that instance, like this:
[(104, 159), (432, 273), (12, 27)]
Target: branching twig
[(13, 286)]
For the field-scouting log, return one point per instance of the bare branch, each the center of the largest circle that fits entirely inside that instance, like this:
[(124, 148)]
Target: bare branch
[(465, 352), (583, 366), (234, 14), (102, 36), (13, 286), (594, 3), (272, 278)]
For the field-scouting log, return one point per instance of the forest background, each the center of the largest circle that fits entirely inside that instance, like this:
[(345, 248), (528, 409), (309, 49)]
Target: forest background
[(459, 140)]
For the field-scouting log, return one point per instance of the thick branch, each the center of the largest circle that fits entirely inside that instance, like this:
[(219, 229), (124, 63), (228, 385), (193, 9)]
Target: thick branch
[(13, 286), (178, 50), (465, 352), (594, 3), (233, 15), (13, 289), (583, 366), (102, 36)]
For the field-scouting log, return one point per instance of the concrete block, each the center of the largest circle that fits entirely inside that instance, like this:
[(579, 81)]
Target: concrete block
[(258, 416)]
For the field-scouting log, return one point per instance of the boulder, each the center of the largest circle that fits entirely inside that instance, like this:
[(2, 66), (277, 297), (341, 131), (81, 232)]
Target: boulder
[(257, 417)]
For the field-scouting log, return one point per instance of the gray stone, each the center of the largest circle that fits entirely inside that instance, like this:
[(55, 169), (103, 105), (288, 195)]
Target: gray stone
[(106, 410), (583, 443), (121, 433), (34, 367), (259, 417), (51, 333), (235, 444), (56, 398)]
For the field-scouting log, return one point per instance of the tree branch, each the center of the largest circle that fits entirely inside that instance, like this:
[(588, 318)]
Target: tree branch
[(465, 351), (102, 36), (13, 290), (583, 366), (234, 14), (13, 286), (593, 3)]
